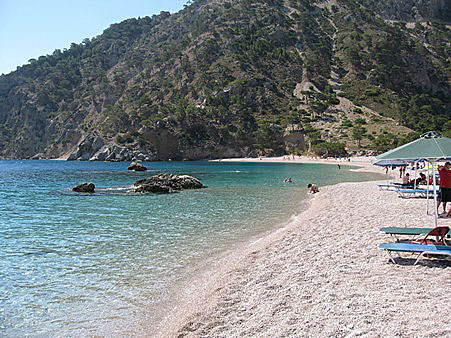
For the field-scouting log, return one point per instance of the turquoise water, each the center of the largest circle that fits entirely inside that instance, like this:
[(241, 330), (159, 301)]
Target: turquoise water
[(88, 265)]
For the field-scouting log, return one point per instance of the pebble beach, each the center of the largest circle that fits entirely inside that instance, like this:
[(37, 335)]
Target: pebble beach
[(322, 275)]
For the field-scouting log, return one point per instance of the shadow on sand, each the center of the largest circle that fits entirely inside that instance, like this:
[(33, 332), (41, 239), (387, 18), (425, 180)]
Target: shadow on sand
[(432, 263)]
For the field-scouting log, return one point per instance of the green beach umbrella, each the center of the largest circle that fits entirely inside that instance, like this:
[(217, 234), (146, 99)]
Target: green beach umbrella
[(430, 147)]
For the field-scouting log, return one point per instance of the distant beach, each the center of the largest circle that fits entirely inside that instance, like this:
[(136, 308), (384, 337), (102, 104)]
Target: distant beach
[(321, 276), (364, 162)]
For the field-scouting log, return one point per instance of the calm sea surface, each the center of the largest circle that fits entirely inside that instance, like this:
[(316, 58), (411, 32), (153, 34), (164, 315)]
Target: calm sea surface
[(100, 265)]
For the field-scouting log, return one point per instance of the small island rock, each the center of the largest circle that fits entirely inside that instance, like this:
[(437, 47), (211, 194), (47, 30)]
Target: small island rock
[(85, 187), (137, 167)]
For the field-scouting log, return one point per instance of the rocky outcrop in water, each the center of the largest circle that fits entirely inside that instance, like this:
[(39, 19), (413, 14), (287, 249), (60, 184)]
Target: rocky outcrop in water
[(85, 187), (167, 183), (137, 167)]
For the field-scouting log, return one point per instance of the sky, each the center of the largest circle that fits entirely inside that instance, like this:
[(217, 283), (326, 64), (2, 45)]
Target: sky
[(31, 28)]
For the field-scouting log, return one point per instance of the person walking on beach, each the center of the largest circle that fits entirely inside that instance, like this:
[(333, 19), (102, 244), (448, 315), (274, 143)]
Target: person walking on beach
[(445, 186), (313, 188), (402, 171)]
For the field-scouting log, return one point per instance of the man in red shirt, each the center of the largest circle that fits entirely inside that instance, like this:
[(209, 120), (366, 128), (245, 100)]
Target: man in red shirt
[(445, 186)]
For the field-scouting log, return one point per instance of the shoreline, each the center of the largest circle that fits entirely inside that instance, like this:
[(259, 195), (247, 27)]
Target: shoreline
[(364, 163), (263, 290), (208, 274)]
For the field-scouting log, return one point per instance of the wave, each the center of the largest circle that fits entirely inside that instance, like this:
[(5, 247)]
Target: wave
[(123, 191)]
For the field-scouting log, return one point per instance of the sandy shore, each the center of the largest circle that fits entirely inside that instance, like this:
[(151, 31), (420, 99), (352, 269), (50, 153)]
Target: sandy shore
[(365, 163), (300, 159), (322, 276)]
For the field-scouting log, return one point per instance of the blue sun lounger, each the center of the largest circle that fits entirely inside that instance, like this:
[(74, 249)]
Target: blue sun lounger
[(419, 249)]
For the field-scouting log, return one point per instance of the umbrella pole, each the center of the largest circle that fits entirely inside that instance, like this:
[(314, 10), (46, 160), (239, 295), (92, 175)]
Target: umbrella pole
[(415, 178), (427, 193), (435, 195)]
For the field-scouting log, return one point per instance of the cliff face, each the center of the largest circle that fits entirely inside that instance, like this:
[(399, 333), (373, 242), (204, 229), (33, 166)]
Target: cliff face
[(226, 79)]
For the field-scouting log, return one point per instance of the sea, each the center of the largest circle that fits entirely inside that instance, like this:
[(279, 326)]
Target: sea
[(104, 264)]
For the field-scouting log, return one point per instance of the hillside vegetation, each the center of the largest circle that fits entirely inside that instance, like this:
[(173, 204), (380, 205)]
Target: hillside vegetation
[(237, 78)]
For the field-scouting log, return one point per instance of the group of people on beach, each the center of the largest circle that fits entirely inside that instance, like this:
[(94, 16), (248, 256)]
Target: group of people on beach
[(443, 181), (406, 181)]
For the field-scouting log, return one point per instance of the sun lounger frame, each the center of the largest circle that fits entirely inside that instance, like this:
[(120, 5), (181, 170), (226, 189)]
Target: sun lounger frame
[(420, 249), (388, 187), (410, 193)]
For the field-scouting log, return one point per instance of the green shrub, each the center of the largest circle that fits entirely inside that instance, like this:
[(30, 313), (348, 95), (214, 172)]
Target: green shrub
[(358, 133), (360, 120), (384, 142), (334, 100), (334, 149), (346, 123), (372, 92)]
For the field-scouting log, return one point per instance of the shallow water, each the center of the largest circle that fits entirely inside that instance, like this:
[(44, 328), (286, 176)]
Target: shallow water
[(82, 265)]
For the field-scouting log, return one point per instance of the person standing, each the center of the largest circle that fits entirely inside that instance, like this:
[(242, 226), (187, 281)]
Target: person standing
[(445, 186)]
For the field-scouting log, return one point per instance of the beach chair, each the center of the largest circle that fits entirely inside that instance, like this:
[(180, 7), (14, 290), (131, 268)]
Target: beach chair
[(438, 232), (413, 233), (396, 232), (420, 249)]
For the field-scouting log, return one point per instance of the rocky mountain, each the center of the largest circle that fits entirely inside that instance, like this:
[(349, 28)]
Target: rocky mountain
[(237, 78)]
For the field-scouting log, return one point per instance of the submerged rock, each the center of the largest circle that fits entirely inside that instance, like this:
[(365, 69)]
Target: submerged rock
[(85, 187), (167, 183), (137, 167)]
